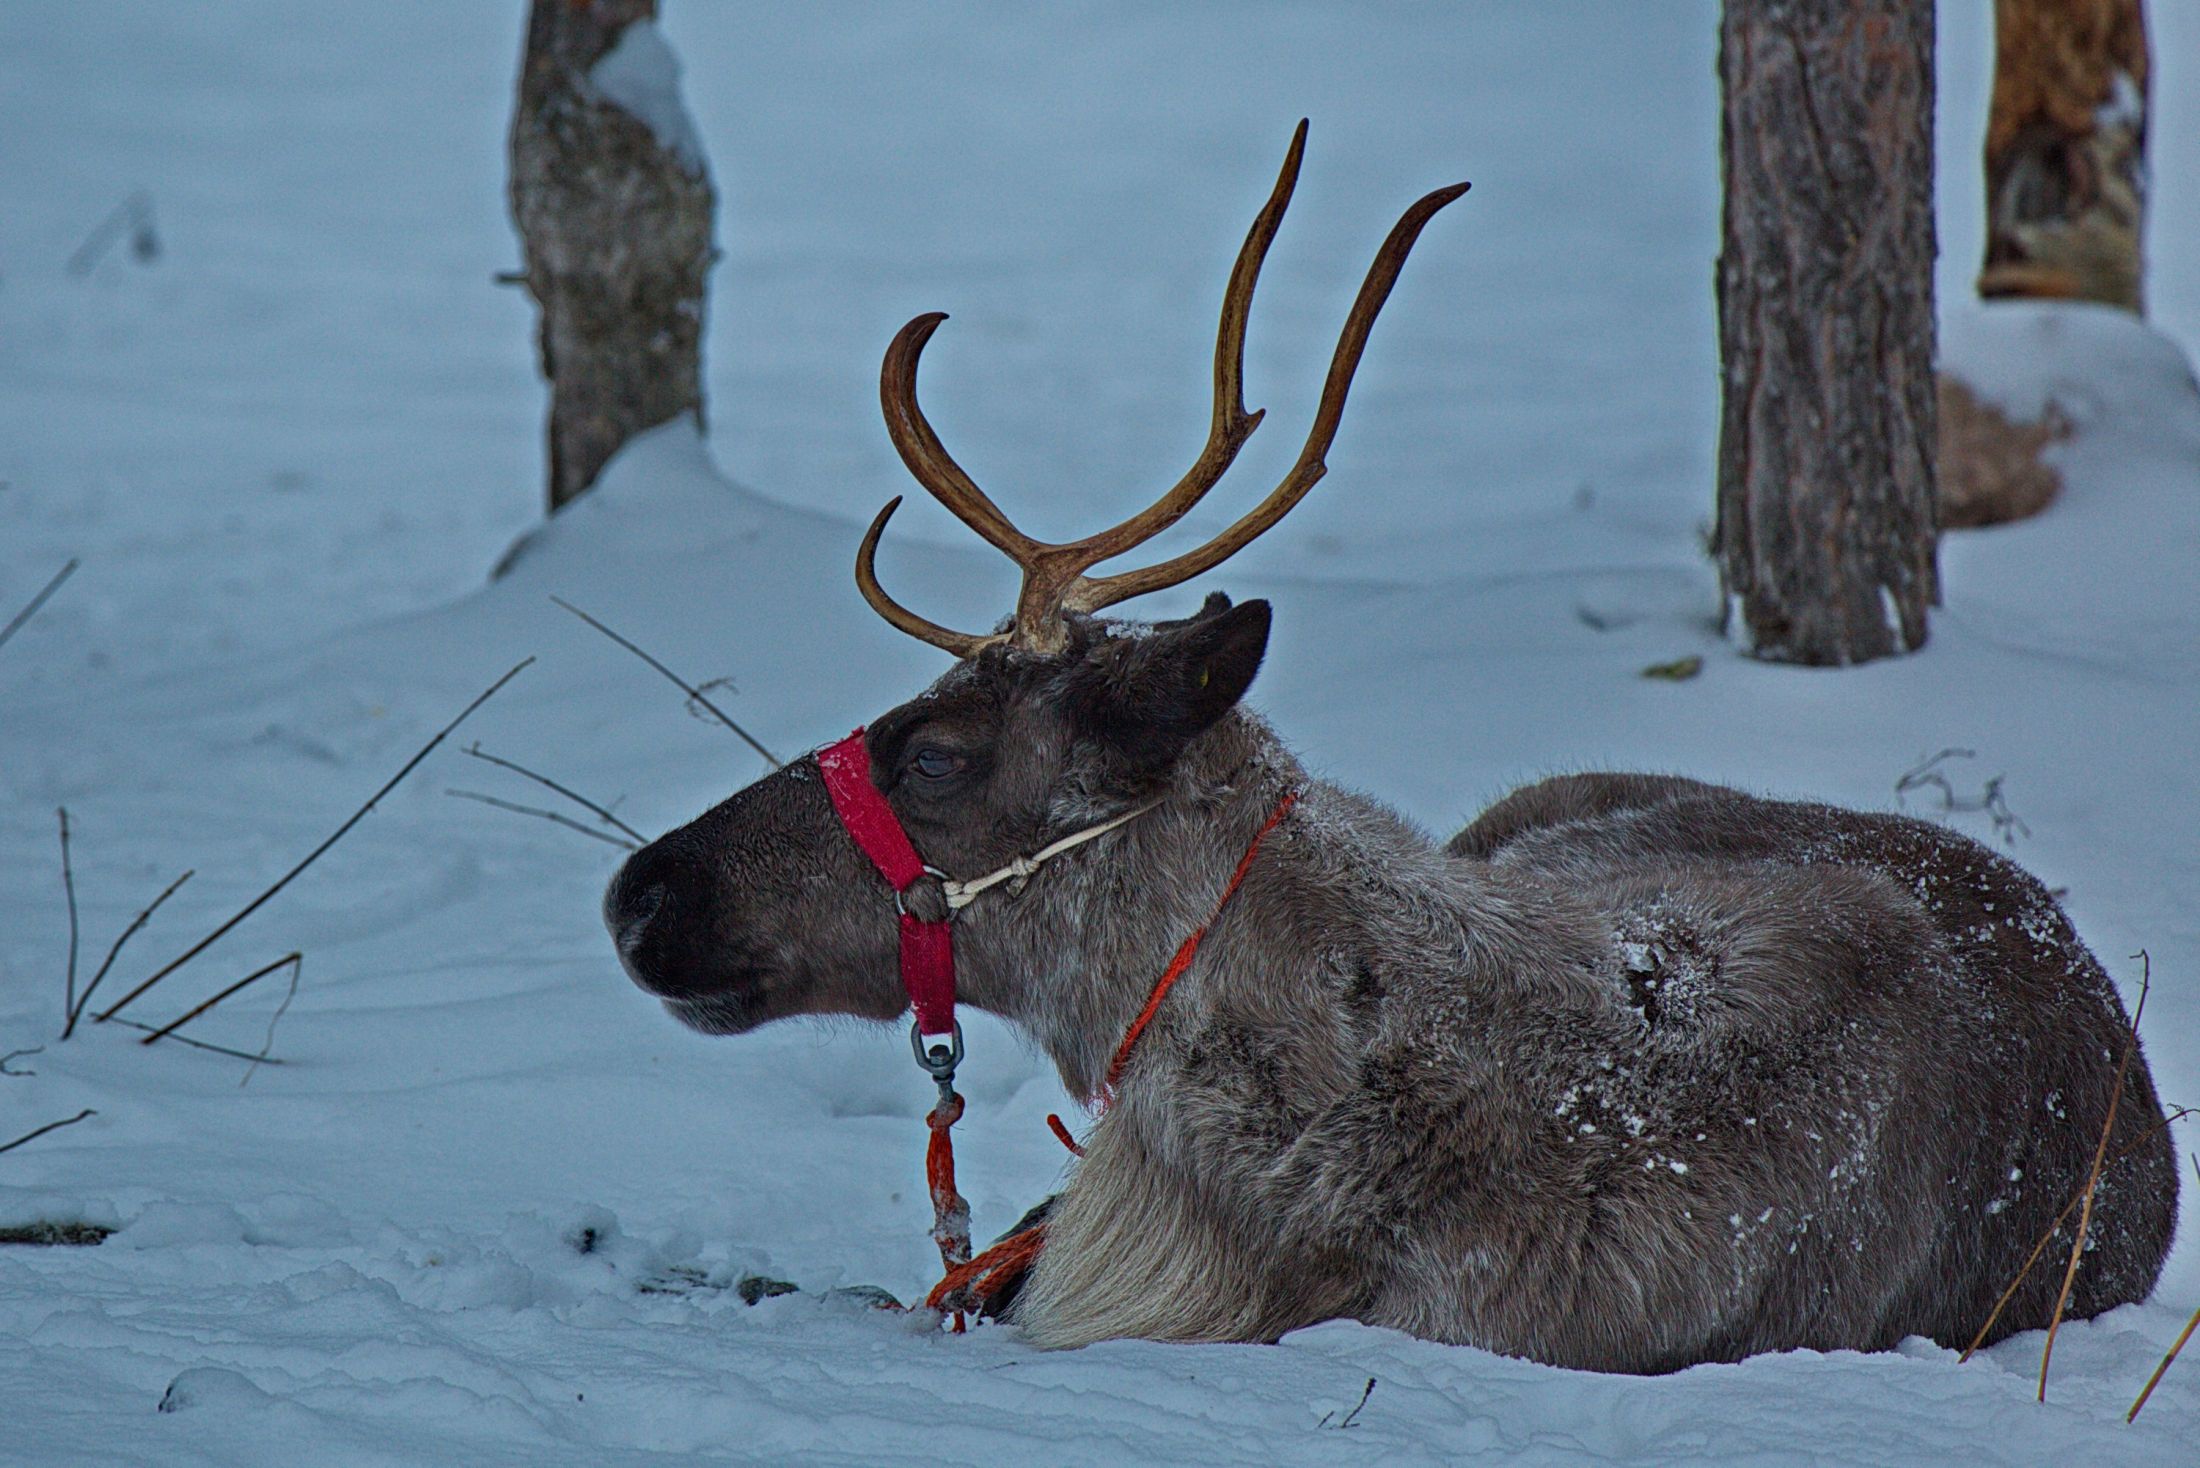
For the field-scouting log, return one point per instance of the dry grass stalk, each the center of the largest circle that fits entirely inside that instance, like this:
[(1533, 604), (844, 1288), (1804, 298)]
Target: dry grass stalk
[(695, 694), (2093, 1179), (1991, 801), (294, 959), (2182, 1337), (68, 885), (2176, 1114), (315, 855), (30, 610), (83, 1001), (545, 815), (1365, 1392), (132, 219), (51, 1126), (601, 813), (206, 1045), (267, 1045)]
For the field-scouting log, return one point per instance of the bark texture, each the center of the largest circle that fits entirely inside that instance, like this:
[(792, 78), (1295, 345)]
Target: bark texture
[(1826, 531), (615, 221), (2066, 151)]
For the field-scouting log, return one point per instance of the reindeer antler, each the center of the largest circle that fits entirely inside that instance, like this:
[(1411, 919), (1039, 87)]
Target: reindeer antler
[(1054, 579)]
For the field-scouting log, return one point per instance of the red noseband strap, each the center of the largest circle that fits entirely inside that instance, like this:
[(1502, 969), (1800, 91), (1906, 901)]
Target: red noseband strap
[(927, 949), (927, 972)]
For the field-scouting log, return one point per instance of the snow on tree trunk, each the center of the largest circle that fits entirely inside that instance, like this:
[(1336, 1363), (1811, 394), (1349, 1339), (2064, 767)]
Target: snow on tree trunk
[(1826, 529), (613, 201), (2066, 151)]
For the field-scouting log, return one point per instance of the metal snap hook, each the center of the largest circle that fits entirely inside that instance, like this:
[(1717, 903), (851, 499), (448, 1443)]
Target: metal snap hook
[(937, 1061)]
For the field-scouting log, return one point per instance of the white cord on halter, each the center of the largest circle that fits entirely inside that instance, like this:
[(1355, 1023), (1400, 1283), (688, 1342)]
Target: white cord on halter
[(959, 894)]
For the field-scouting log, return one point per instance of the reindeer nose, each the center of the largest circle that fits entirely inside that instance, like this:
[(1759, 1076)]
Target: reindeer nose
[(628, 913), (669, 924), (636, 895)]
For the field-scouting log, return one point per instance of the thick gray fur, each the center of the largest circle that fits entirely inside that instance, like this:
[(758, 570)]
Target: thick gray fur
[(1634, 1072)]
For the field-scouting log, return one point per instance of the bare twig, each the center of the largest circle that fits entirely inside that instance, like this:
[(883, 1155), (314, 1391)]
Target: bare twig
[(548, 815), (51, 1126), (1928, 775), (132, 217), (68, 885), (83, 1001), (602, 813), (2007, 823), (273, 1020), (16, 622), (206, 1045), (295, 960), (18, 1055), (2176, 1114), (2093, 1178), (356, 817), (1365, 1392), (2182, 1337), (694, 694)]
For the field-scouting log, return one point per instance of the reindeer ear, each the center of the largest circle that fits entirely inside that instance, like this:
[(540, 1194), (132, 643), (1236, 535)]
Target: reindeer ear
[(1214, 606), (1148, 697)]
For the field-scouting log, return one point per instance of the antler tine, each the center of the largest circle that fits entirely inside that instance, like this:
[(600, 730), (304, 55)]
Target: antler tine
[(921, 449), (1089, 594), (1231, 425), (961, 644)]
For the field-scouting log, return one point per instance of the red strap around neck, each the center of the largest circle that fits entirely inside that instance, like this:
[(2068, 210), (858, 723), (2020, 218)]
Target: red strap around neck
[(927, 949), (979, 1282), (1187, 951)]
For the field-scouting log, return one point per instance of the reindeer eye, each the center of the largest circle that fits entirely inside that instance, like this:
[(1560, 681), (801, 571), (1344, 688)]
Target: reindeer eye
[(935, 764)]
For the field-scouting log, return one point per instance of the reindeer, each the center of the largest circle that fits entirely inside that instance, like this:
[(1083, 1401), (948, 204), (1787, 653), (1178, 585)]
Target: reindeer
[(1632, 1073)]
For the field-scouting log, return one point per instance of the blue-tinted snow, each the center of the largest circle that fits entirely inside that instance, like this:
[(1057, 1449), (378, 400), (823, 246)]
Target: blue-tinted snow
[(288, 449)]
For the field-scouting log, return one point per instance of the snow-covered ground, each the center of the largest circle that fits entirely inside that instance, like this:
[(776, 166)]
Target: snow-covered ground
[(489, 1208)]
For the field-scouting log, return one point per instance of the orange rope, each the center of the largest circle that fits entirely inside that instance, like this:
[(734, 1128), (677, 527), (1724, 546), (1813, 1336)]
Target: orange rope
[(1061, 1134), (969, 1282), (950, 1214), (973, 1282), (1190, 949)]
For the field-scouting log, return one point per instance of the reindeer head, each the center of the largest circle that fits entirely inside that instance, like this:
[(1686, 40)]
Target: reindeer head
[(764, 907)]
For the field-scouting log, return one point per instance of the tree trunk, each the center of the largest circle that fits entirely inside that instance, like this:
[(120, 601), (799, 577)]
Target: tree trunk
[(1826, 529), (613, 203), (2066, 151)]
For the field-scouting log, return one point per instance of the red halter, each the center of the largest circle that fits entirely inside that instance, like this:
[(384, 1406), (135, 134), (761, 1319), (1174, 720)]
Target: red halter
[(982, 1279), (928, 973), (927, 948)]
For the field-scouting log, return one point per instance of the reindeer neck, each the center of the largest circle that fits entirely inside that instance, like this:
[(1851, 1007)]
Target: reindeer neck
[(1075, 972)]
